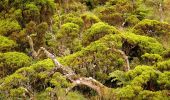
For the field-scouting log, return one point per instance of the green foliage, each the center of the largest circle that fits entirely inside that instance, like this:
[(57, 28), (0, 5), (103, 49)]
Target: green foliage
[(98, 57), (75, 96), (166, 53), (164, 80), (31, 28), (128, 92), (59, 81), (140, 83), (151, 58), (142, 11), (120, 5), (67, 39), (98, 31), (152, 28), (11, 61), (83, 34), (71, 6), (43, 65), (89, 19), (163, 66), (101, 50), (146, 44), (8, 26), (37, 32), (41, 30), (12, 81), (151, 95), (51, 93), (91, 4), (138, 71), (145, 78), (71, 18), (131, 20), (29, 10), (19, 92), (117, 12), (109, 15), (68, 29), (118, 77), (28, 76), (6, 44), (16, 14)]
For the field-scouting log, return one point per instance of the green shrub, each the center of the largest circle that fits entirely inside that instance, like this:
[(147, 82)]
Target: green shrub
[(166, 53), (17, 93), (8, 26), (11, 61), (164, 80), (98, 31), (151, 28), (98, 57), (131, 21), (152, 95), (6, 44), (136, 45), (151, 58), (75, 96), (89, 19), (68, 39), (30, 10), (163, 66), (71, 18), (35, 77), (118, 77)]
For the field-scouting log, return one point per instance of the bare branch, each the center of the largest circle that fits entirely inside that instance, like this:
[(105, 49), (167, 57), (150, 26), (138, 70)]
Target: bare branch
[(126, 66), (69, 73)]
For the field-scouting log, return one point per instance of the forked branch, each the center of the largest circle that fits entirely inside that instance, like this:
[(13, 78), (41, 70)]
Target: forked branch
[(69, 73)]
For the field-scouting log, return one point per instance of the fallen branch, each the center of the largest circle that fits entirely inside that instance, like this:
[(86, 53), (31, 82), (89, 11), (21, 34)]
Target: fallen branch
[(71, 76), (69, 73)]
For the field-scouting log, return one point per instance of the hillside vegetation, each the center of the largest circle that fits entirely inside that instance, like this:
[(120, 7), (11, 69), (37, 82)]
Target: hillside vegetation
[(84, 50)]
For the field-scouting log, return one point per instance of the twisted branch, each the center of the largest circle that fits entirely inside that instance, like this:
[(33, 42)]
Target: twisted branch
[(69, 73)]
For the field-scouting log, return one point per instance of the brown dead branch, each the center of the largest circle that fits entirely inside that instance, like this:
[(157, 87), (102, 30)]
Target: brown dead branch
[(68, 72), (71, 76)]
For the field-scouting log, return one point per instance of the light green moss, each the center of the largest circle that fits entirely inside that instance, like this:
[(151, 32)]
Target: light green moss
[(6, 44), (11, 61), (151, 28), (8, 26)]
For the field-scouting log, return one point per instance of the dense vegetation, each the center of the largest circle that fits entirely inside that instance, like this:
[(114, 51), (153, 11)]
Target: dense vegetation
[(120, 45)]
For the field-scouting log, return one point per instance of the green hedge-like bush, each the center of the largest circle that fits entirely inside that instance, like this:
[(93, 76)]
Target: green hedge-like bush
[(6, 44), (151, 28), (8, 26), (163, 66), (151, 58), (89, 19), (11, 61), (97, 31)]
